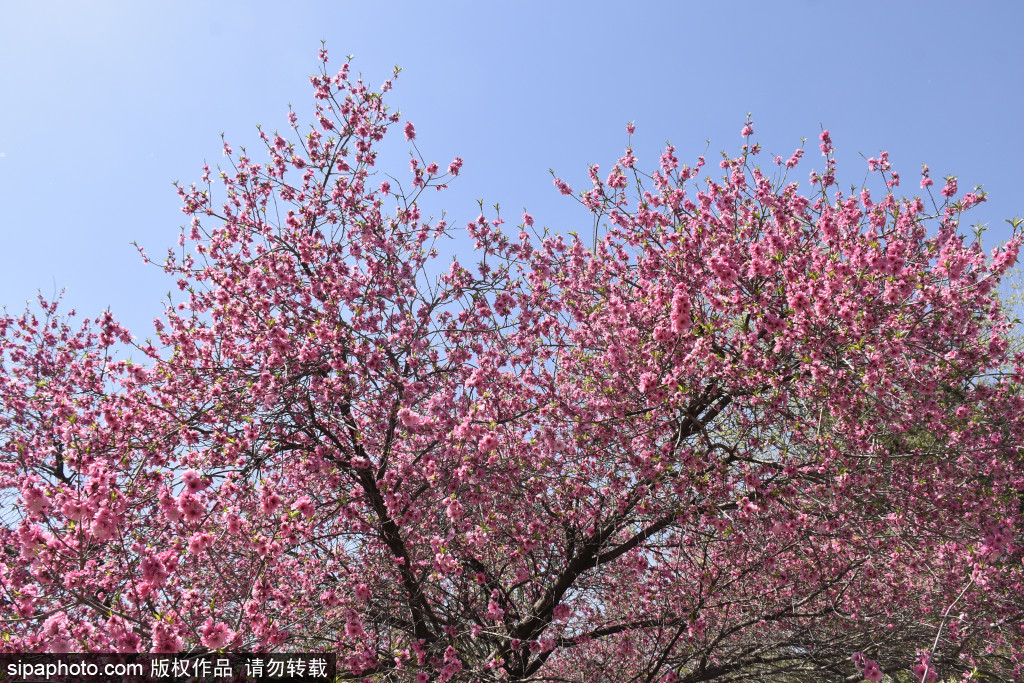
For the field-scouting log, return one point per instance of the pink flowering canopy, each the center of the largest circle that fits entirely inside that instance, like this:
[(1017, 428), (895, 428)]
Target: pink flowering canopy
[(738, 432)]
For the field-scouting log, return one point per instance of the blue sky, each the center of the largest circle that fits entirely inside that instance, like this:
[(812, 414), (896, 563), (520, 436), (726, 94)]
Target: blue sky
[(103, 105)]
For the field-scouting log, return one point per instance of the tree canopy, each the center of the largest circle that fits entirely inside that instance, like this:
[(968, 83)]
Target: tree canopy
[(736, 433)]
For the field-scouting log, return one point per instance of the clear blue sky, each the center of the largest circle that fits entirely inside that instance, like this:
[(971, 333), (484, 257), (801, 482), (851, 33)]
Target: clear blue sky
[(104, 104)]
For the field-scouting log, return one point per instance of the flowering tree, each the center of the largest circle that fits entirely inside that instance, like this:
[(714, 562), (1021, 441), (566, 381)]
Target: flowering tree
[(741, 433)]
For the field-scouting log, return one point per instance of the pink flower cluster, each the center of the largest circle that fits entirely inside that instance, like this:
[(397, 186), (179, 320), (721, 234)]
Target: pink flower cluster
[(723, 417)]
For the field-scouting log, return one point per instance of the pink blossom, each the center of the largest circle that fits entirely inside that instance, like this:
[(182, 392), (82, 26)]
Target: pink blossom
[(125, 638), (164, 639), (476, 378), (972, 198), (304, 506), (169, 506), (153, 571), (216, 636), (445, 563), (488, 443), (269, 502), (104, 524), (353, 626), (409, 418), (724, 269), (799, 302), (56, 630), (925, 180), (563, 186), (193, 481), (920, 670), (648, 381), (200, 542), (60, 643), (410, 131), (35, 500), (504, 303), (826, 139), (680, 311), (455, 510), (616, 179), (191, 507), (950, 189), (75, 510)]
